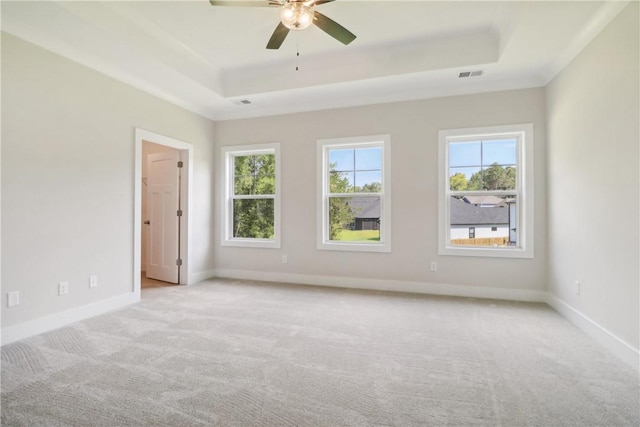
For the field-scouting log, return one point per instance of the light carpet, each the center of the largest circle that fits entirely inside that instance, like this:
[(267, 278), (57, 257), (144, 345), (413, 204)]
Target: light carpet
[(235, 353)]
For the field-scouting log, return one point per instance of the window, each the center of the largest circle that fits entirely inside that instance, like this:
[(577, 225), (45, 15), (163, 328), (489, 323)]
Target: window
[(486, 191), (353, 196), (251, 213)]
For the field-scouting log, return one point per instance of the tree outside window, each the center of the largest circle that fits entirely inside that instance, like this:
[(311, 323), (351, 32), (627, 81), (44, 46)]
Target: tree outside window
[(254, 175)]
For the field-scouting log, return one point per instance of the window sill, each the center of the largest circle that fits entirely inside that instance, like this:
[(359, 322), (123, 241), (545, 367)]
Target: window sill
[(486, 252), (252, 243), (354, 247)]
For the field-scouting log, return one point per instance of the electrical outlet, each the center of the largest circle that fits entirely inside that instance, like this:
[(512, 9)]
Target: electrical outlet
[(63, 288), (434, 266), (285, 259), (578, 287), (13, 298), (93, 281)]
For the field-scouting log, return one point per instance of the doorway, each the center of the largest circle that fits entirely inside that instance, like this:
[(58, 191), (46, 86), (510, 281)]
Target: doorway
[(161, 214), (162, 210)]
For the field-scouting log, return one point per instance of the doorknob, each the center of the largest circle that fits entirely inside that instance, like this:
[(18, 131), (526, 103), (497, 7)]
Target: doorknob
[(147, 222)]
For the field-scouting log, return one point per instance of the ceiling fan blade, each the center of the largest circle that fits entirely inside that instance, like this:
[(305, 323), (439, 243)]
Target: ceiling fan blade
[(278, 37), (312, 3), (241, 3), (332, 28)]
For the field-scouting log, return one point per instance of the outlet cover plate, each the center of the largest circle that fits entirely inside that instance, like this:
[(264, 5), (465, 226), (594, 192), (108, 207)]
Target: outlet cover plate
[(63, 288), (13, 298)]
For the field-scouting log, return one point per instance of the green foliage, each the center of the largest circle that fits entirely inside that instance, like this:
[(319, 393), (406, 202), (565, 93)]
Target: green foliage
[(253, 218), (495, 177), (340, 216), (373, 187), (254, 175), (458, 182), (338, 181), (498, 178)]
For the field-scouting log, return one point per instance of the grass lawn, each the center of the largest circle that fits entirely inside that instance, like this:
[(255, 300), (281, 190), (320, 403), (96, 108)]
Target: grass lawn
[(359, 235)]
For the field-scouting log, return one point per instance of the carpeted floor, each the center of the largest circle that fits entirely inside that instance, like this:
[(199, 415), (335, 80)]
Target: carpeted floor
[(255, 354)]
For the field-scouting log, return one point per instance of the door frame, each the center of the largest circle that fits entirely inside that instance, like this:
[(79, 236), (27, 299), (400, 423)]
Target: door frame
[(186, 155)]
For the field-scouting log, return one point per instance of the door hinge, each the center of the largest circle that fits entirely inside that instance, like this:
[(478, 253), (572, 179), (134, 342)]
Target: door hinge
[(180, 164), (179, 213), (178, 262)]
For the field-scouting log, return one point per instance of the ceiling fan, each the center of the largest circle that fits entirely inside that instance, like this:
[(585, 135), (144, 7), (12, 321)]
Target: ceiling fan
[(295, 15)]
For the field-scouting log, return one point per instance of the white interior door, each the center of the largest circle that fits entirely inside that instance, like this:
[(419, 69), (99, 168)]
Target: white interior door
[(163, 198)]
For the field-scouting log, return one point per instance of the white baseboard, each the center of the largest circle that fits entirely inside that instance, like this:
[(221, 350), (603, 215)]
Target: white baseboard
[(58, 320), (388, 285), (610, 341), (199, 277)]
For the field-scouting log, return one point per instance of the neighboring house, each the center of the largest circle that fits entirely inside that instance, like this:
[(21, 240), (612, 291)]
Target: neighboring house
[(485, 201), (366, 212), (497, 202), (471, 221)]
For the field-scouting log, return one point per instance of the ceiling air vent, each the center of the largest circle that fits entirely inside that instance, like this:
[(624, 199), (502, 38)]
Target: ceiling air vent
[(242, 102), (465, 74)]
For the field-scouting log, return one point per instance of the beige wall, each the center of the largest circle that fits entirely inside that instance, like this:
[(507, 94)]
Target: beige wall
[(593, 115), (413, 127), (68, 180)]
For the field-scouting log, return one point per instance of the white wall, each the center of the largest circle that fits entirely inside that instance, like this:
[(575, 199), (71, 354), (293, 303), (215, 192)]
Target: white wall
[(593, 114), (413, 127), (68, 181)]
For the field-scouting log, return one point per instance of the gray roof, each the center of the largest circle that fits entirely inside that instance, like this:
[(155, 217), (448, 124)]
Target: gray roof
[(484, 200), (467, 214), (365, 207)]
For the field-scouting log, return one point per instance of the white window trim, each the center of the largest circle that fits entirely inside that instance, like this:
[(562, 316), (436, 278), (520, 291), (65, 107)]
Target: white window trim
[(323, 242), (228, 153), (525, 213)]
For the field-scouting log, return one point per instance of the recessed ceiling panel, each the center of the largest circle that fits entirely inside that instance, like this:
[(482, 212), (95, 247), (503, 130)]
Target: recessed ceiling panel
[(205, 58)]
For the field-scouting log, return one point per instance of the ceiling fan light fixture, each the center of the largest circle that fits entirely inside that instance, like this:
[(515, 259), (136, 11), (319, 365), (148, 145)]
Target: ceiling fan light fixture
[(296, 16)]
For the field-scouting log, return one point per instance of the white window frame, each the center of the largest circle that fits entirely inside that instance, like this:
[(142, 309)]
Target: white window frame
[(524, 190), (228, 154), (323, 147)]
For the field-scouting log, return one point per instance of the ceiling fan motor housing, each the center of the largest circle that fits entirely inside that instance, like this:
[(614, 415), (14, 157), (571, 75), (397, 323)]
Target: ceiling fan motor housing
[(295, 15)]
